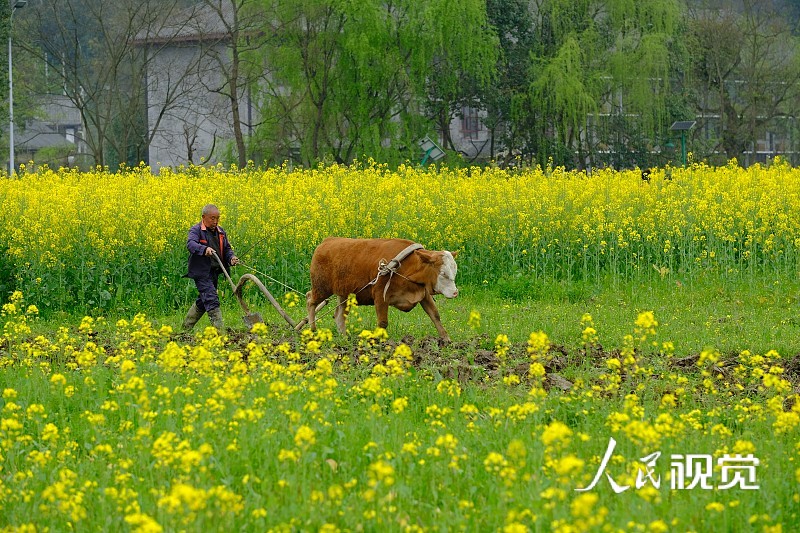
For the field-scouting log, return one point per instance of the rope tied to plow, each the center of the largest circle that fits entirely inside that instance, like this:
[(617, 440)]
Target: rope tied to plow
[(390, 268)]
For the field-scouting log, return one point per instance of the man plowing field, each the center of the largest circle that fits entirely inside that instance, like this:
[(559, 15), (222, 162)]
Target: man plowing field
[(207, 238)]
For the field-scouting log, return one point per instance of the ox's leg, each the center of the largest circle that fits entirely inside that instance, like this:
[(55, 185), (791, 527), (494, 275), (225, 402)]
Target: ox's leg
[(430, 307), (341, 315), (311, 308), (381, 309)]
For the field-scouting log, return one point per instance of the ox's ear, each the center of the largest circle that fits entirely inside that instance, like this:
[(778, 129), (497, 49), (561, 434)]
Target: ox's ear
[(426, 255), (454, 254)]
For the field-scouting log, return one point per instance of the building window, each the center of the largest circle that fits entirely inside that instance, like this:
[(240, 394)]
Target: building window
[(470, 122)]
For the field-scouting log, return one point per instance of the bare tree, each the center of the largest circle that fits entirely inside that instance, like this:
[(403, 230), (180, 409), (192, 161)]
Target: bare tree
[(98, 52), (746, 69), (229, 31)]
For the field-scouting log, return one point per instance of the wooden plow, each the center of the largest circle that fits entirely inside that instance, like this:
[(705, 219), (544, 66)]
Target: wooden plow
[(251, 318)]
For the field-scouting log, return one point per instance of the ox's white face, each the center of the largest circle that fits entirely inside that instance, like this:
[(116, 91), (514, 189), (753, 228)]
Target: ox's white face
[(446, 282)]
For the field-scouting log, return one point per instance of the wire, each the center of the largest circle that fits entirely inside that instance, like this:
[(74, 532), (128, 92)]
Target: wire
[(270, 278), (259, 241)]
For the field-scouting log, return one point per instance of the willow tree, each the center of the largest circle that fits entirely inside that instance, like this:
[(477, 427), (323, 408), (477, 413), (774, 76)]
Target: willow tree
[(513, 24), (462, 56), (595, 58), (348, 79)]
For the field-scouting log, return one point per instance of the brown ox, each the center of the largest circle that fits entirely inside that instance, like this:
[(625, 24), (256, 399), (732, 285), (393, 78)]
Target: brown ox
[(343, 266)]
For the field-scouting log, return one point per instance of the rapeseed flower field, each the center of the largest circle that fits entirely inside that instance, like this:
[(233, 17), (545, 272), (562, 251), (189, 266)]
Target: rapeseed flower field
[(126, 425), (95, 241)]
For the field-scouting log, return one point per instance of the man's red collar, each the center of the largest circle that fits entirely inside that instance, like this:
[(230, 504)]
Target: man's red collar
[(203, 227)]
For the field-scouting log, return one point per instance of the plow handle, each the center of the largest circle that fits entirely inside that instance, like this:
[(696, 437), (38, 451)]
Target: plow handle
[(224, 271), (236, 293)]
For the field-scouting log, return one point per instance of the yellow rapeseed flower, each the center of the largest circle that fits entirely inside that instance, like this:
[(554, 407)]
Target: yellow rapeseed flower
[(304, 436)]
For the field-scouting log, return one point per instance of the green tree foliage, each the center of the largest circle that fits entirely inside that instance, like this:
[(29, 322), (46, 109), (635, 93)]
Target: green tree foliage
[(5, 29), (349, 78), (513, 25), (463, 51), (596, 58), (572, 82)]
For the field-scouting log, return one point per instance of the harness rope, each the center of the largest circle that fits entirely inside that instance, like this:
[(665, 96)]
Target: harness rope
[(270, 278), (391, 267), (322, 314)]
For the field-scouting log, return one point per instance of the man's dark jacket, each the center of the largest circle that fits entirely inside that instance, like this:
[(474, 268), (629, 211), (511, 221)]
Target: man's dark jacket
[(197, 242)]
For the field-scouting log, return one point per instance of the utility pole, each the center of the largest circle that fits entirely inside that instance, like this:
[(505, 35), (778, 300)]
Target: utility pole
[(19, 4)]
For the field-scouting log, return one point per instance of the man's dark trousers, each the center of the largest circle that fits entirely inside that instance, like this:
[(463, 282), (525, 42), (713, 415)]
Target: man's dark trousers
[(207, 299)]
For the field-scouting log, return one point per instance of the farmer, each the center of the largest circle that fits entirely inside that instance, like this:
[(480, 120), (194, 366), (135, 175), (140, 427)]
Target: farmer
[(205, 239)]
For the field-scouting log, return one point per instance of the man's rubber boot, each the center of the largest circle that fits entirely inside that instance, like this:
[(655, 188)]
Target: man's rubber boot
[(192, 317), (215, 315)]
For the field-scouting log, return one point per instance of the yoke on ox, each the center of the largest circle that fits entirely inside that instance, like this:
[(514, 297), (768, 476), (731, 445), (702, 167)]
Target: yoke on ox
[(383, 273)]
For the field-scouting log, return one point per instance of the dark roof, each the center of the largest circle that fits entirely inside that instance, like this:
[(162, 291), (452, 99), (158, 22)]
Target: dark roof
[(37, 135), (199, 22)]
